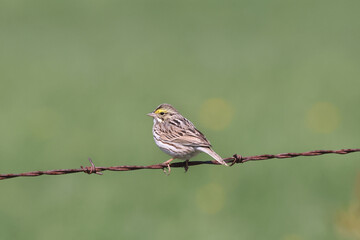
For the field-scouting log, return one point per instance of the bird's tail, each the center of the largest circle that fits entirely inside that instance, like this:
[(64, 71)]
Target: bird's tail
[(213, 154)]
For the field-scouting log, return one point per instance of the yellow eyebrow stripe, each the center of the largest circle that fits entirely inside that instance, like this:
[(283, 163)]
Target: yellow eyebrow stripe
[(160, 110)]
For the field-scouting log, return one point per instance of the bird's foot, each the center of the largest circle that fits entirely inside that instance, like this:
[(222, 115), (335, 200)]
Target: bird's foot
[(186, 165), (167, 163)]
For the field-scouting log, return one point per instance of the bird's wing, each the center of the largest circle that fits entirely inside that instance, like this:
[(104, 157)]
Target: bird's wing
[(193, 141), (184, 132)]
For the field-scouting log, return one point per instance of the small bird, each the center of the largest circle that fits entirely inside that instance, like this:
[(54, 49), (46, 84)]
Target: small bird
[(178, 137)]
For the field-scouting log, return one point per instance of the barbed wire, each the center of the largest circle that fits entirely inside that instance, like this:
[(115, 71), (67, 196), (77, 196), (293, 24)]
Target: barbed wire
[(231, 160)]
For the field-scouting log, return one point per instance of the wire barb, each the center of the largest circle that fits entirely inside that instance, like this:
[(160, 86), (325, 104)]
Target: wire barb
[(92, 169), (237, 159), (232, 160)]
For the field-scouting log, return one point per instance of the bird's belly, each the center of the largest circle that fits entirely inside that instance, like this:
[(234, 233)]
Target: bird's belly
[(176, 150)]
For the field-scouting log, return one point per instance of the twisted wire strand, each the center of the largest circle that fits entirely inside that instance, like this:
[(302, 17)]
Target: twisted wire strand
[(231, 160)]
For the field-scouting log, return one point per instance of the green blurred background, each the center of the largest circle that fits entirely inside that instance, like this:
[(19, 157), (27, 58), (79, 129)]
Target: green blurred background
[(78, 77)]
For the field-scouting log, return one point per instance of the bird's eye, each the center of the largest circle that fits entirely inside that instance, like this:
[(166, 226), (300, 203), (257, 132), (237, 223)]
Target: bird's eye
[(162, 113)]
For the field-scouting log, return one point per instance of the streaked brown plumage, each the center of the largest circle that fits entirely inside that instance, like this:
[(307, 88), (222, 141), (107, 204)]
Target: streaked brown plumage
[(177, 136)]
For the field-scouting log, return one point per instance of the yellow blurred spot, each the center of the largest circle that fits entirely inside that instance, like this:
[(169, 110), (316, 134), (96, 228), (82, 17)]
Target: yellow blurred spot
[(292, 237), (323, 117), (210, 198), (216, 113), (348, 221)]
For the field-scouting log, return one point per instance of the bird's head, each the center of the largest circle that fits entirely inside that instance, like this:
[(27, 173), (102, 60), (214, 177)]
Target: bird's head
[(164, 112)]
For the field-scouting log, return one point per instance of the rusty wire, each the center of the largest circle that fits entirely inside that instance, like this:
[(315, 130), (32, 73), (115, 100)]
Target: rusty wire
[(232, 160)]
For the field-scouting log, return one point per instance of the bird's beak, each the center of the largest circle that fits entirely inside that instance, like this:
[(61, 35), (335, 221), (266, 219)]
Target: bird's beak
[(151, 114)]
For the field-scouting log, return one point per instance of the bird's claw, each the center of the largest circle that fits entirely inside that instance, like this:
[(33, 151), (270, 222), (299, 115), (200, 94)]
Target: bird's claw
[(167, 173), (186, 165), (167, 163)]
